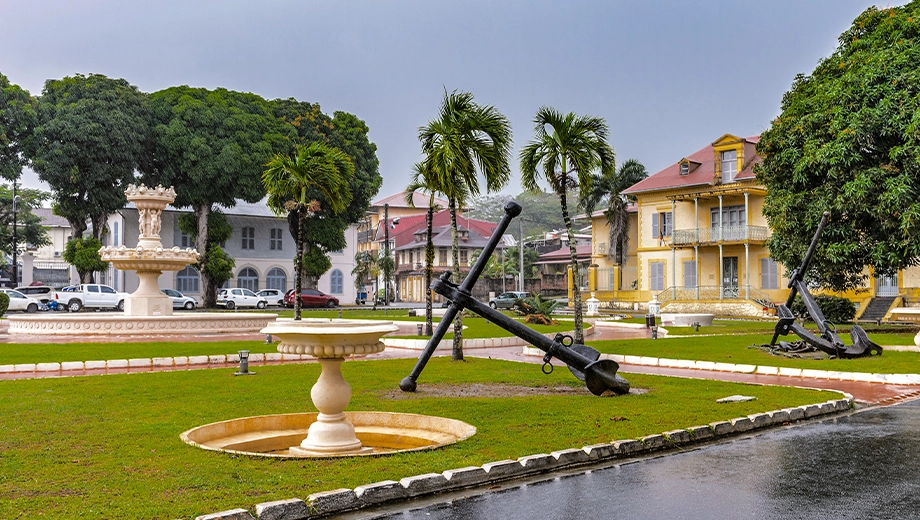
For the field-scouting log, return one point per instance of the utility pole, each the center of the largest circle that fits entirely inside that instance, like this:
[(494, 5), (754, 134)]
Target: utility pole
[(386, 249)]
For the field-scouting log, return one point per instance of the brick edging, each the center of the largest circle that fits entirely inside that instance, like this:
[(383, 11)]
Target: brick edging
[(318, 505)]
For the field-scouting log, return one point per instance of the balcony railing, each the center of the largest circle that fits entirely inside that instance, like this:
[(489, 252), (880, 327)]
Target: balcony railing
[(728, 234), (714, 292)]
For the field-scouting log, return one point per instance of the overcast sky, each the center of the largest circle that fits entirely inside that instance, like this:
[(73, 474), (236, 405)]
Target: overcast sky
[(668, 76)]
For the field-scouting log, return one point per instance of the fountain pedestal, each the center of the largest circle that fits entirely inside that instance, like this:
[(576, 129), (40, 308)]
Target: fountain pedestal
[(331, 341)]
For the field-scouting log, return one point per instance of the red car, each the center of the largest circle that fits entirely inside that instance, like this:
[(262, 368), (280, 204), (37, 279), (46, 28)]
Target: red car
[(311, 298)]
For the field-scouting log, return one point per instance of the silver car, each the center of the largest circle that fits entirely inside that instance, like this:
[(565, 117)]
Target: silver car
[(507, 300), (21, 302), (179, 300), (274, 296)]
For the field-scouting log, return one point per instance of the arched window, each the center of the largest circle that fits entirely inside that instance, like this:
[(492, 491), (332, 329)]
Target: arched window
[(248, 279), (187, 280), (335, 282), (276, 279)]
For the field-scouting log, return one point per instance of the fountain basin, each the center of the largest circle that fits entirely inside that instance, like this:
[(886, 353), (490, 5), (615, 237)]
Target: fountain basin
[(330, 338), (274, 435), (52, 323)]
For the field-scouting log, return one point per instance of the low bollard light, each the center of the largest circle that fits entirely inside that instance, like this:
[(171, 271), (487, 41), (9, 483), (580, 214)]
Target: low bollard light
[(244, 364), (268, 339), (421, 326), (696, 326), (649, 320), (654, 331)]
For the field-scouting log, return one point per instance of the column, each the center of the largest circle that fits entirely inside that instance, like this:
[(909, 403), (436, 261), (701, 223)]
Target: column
[(747, 269), (720, 253)]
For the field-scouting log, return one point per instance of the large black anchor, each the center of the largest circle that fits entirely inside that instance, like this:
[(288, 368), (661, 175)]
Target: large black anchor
[(600, 375)]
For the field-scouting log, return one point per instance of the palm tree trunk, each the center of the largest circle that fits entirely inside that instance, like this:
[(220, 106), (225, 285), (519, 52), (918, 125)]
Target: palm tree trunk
[(457, 353), (429, 261), (576, 291), (298, 262)]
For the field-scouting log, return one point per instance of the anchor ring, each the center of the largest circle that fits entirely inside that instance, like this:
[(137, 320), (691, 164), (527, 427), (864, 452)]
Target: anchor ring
[(545, 371)]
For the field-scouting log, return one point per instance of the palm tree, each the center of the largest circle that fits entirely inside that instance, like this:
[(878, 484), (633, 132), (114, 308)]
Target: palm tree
[(464, 141), (611, 186), (423, 180), (567, 150), (287, 181)]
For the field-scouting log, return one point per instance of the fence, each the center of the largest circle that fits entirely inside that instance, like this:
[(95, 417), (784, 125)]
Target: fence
[(53, 274)]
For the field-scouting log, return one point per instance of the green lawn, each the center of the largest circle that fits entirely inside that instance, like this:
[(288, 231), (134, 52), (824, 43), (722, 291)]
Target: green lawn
[(734, 349), (108, 446)]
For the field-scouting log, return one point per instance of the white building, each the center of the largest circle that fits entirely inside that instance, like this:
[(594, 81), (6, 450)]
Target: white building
[(261, 246)]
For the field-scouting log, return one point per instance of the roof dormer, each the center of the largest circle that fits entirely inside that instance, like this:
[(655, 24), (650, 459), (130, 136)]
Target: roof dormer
[(728, 153), (688, 166)]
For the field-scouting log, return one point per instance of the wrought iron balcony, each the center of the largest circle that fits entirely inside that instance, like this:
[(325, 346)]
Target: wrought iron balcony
[(742, 233)]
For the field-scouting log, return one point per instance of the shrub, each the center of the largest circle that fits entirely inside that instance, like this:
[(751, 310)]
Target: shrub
[(835, 308), (537, 310), (4, 302)]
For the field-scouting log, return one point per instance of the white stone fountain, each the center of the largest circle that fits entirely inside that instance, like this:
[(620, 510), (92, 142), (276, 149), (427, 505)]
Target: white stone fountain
[(332, 432), (147, 310), (149, 259)]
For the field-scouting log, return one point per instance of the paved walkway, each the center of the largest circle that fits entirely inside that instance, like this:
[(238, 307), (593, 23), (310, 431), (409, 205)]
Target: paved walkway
[(863, 392)]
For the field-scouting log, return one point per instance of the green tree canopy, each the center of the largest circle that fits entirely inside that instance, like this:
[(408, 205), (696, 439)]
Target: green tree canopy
[(83, 254), (90, 139), (17, 121), (306, 124), (211, 145), (566, 151), (29, 226), (848, 141)]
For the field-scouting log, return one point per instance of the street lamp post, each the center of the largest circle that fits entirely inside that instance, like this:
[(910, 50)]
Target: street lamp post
[(16, 200), (521, 251), (386, 249)]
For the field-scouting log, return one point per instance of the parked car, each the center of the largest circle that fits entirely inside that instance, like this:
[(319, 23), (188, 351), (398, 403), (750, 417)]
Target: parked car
[(274, 296), (21, 302), (42, 293), (508, 300), (233, 298), (90, 295), (311, 298), (179, 300)]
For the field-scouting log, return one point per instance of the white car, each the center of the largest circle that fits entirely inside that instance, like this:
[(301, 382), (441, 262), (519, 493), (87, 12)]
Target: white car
[(21, 302), (179, 300), (274, 296), (91, 296), (233, 298)]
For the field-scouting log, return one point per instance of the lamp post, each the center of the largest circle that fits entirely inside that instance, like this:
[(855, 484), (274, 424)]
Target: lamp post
[(386, 249), (16, 200)]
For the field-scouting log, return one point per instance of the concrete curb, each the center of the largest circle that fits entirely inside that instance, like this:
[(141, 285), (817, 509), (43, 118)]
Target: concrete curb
[(135, 365), (326, 503), (895, 379)]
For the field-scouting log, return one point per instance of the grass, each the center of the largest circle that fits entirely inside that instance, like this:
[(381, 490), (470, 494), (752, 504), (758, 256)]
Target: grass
[(108, 446), (476, 328), (16, 353), (734, 349)]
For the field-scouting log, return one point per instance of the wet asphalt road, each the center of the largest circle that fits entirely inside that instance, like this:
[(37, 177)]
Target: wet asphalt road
[(861, 466)]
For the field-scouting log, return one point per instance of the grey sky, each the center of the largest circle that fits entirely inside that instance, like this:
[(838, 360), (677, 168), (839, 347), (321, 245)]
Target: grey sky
[(668, 76)]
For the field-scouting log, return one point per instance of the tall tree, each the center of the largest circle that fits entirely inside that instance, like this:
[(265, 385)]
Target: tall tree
[(90, 139), (17, 122), (566, 151), (465, 140), (847, 142), (609, 187), (211, 145), (289, 179), (305, 123), (425, 181)]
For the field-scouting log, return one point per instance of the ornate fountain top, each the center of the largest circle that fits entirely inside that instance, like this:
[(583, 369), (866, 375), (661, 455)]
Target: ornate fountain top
[(144, 193)]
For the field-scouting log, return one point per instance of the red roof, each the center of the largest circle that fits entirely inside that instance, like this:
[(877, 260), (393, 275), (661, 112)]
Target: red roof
[(398, 200), (563, 255), (702, 175), (404, 231)]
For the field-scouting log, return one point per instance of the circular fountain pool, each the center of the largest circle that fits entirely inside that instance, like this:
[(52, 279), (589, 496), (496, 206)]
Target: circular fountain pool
[(274, 435)]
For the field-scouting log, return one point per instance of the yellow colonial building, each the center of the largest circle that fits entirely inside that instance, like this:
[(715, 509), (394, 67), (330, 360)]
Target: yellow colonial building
[(698, 237), (697, 243)]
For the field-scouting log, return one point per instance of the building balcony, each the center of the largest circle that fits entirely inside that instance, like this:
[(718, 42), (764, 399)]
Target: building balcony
[(708, 236)]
